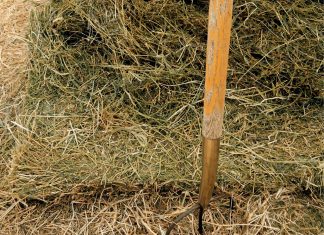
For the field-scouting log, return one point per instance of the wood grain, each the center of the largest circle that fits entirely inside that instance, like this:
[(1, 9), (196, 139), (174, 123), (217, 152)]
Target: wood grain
[(219, 32)]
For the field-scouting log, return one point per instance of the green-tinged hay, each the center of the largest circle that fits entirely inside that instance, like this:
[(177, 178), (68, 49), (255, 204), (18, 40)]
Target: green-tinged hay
[(115, 96)]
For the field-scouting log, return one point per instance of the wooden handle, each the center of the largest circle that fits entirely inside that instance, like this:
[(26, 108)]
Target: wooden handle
[(219, 32)]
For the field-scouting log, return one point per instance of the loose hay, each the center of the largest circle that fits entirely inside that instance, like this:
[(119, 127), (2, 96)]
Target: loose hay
[(115, 97), (148, 210)]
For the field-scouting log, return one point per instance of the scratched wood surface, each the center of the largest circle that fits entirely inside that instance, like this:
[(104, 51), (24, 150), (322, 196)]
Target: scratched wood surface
[(220, 21)]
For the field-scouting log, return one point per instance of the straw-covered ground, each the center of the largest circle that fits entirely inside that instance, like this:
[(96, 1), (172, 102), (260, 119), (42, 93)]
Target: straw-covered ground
[(106, 136)]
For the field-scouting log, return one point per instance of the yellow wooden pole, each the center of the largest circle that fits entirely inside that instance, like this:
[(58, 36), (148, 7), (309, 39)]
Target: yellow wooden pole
[(219, 32)]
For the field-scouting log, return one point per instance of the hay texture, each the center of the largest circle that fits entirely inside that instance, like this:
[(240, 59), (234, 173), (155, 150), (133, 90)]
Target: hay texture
[(115, 98)]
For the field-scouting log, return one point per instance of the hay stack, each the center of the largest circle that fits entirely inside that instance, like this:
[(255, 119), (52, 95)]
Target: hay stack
[(115, 97)]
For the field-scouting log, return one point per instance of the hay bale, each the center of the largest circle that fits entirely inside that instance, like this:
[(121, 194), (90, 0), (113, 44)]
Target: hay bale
[(115, 96)]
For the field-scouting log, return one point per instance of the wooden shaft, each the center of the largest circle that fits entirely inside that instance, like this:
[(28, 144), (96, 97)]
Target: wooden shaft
[(219, 32)]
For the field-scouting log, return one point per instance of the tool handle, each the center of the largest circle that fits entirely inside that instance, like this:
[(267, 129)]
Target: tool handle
[(219, 32)]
